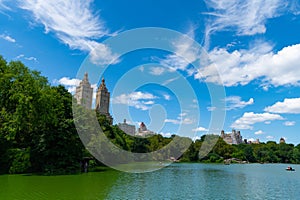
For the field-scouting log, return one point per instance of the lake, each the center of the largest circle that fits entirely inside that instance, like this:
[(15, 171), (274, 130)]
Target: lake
[(177, 181)]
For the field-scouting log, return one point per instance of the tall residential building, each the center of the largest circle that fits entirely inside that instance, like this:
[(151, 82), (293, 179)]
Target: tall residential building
[(127, 128), (84, 93), (143, 131), (234, 137), (102, 101), (282, 140)]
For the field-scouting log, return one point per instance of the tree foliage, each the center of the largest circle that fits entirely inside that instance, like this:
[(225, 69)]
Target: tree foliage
[(37, 132)]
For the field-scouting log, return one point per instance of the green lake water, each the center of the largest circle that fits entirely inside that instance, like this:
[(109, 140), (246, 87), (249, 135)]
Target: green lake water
[(177, 181)]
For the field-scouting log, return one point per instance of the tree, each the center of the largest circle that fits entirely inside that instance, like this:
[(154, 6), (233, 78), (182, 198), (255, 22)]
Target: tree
[(37, 131)]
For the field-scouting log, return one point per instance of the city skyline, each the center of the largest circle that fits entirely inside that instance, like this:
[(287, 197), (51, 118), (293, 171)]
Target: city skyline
[(254, 46)]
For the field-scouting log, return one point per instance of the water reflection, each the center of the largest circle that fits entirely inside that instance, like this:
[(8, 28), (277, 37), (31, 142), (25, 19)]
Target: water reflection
[(177, 181), (206, 181)]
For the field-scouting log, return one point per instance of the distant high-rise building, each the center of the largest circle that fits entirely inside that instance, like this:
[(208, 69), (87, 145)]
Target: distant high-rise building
[(102, 101), (282, 140), (143, 131), (84, 93), (127, 128), (234, 137)]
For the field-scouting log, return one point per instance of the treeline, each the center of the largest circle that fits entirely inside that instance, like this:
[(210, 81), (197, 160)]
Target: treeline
[(269, 152), (38, 133)]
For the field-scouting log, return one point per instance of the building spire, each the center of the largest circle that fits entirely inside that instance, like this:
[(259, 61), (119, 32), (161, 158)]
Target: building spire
[(86, 78), (103, 86)]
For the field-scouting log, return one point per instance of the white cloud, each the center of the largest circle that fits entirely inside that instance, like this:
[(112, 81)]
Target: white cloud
[(260, 132), (200, 129), (148, 102), (3, 5), (211, 108), (180, 121), (243, 66), (234, 102), (31, 58), (141, 68), (173, 121), (166, 134), (196, 138), (7, 37), (289, 123), (295, 7), (19, 56), (67, 17), (249, 119), (167, 97), (138, 100), (243, 17), (183, 114), (270, 137), (291, 106), (185, 53), (251, 140), (75, 24), (157, 70), (94, 86), (170, 81), (68, 81)]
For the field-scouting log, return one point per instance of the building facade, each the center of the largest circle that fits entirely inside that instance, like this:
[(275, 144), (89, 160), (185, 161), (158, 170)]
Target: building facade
[(232, 138), (84, 93), (143, 131), (102, 101), (282, 140), (127, 128)]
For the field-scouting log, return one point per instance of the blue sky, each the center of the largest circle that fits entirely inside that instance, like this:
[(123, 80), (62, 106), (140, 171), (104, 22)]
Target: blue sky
[(249, 49)]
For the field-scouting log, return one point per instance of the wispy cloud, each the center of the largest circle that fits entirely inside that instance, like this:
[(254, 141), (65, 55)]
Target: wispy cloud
[(3, 5), (289, 106), (7, 37), (243, 17), (138, 100), (295, 7), (249, 119), (181, 119), (200, 129), (235, 102), (211, 108), (260, 132), (269, 137), (75, 24), (170, 80), (289, 123), (22, 56), (185, 53), (167, 97), (156, 71)]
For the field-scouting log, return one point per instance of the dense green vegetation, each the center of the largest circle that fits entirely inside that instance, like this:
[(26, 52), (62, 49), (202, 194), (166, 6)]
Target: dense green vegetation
[(269, 152), (37, 131)]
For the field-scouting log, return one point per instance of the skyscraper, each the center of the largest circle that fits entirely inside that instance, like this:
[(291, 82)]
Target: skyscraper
[(84, 93), (102, 101)]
